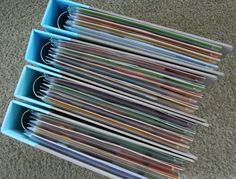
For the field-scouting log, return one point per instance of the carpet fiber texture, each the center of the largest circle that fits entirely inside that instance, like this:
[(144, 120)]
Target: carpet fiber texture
[(215, 146)]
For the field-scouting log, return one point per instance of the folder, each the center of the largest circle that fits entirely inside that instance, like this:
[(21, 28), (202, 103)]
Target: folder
[(113, 94)]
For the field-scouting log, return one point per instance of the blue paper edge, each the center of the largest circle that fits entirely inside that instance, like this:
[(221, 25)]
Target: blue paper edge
[(8, 120), (31, 45), (23, 79), (44, 22)]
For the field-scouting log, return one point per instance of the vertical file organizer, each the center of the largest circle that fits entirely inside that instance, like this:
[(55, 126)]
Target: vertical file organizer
[(111, 93)]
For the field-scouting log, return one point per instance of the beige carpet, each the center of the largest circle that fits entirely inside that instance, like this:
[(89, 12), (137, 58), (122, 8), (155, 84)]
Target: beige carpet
[(215, 146)]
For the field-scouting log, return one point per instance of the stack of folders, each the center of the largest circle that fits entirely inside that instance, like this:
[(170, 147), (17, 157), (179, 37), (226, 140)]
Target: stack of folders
[(113, 94)]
